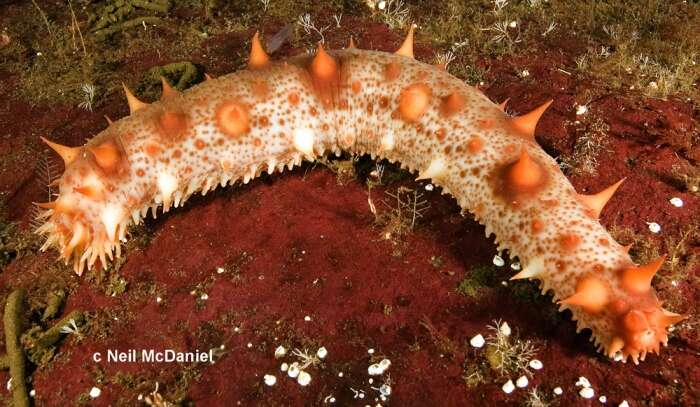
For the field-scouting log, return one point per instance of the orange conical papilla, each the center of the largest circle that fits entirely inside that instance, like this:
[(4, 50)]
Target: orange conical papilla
[(323, 66), (258, 56), (638, 279), (525, 174), (596, 202), (134, 103), (525, 124), (68, 154), (168, 91), (406, 48), (592, 294)]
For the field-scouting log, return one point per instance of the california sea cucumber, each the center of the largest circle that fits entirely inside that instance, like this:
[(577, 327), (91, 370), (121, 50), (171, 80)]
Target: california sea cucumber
[(276, 114)]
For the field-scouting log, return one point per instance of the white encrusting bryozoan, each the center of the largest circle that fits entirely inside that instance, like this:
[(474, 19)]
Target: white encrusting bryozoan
[(274, 115)]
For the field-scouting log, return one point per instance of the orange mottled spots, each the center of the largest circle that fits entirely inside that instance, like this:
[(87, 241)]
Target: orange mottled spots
[(537, 226), (91, 192), (313, 111), (356, 87), (152, 149), (325, 127), (257, 142), (264, 121), (260, 88), (177, 153), (107, 155), (293, 99), (475, 144), (414, 102), (172, 125), (232, 118), (392, 70), (510, 149), (383, 102), (140, 172), (603, 241), (127, 138), (200, 144), (452, 103), (485, 123), (440, 134), (569, 241)]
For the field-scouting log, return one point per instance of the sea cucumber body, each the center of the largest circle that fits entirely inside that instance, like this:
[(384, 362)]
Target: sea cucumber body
[(365, 102)]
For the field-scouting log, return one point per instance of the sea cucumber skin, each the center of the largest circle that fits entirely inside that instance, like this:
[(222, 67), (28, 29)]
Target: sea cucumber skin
[(234, 127)]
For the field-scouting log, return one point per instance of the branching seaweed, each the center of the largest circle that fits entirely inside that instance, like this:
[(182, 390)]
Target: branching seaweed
[(309, 27), (394, 13), (406, 208), (590, 142), (507, 354)]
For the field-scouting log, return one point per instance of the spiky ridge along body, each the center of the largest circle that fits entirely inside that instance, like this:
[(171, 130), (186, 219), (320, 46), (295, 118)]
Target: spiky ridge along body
[(274, 115)]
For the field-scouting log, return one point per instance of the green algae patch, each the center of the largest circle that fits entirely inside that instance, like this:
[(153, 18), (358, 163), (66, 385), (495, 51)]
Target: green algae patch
[(180, 75), (41, 345), (54, 303), (478, 281), (14, 325), (14, 243), (120, 15)]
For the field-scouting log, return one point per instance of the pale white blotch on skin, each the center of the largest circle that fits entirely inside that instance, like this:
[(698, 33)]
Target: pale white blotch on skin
[(304, 141), (112, 216), (387, 141), (167, 185), (435, 170)]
